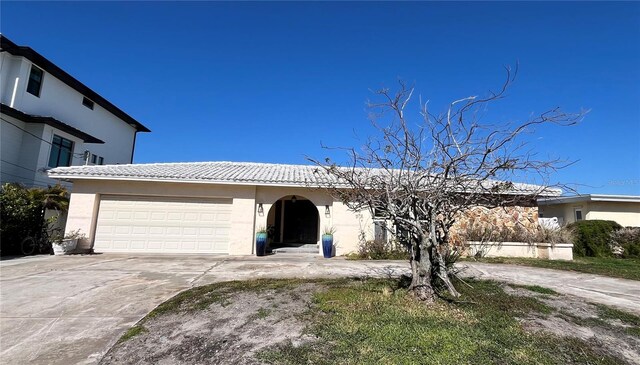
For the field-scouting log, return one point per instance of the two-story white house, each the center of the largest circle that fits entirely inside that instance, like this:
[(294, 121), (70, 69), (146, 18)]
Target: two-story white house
[(50, 119)]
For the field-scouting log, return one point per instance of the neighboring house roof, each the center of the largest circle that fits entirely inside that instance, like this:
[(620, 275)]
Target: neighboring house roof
[(7, 45), (29, 118), (243, 173), (590, 198)]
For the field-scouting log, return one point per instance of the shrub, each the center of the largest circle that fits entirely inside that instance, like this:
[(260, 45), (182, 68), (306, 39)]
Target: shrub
[(626, 241), (503, 233), (22, 213), (593, 237), (380, 250)]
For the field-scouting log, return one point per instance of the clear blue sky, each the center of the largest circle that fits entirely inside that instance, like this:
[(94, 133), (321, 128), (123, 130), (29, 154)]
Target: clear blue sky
[(268, 82)]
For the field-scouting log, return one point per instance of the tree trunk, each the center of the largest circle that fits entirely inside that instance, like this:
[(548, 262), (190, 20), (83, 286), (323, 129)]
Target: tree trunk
[(442, 273), (421, 280)]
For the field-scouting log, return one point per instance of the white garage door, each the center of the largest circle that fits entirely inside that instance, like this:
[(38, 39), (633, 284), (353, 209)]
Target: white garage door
[(163, 225)]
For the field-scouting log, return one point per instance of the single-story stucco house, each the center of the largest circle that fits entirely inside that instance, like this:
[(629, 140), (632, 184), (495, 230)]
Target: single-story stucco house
[(623, 209), (209, 207)]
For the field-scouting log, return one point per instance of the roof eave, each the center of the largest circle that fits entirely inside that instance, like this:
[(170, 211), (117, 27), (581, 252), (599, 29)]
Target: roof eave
[(190, 181), (28, 118), (590, 198)]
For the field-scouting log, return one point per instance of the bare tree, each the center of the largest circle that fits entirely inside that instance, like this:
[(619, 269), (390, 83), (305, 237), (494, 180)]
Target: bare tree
[(422, 176)]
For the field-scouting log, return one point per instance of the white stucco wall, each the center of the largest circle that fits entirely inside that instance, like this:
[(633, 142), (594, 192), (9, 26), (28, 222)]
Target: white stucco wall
[(62, 102), (25, 154), (624, 213), (347, 224), (245, 220), (558, 251), (10, 145)]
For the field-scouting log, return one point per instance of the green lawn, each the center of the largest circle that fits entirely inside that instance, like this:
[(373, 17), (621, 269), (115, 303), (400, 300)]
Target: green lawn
[(619, 268), (366, 323)]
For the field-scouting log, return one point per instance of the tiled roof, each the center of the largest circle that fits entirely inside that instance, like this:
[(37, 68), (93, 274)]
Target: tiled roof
[(219, 171), (223, 172)]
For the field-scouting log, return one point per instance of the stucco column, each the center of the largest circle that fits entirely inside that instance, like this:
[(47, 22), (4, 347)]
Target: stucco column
[(83, 213), (261, 218), (243, 221), (325, 221)]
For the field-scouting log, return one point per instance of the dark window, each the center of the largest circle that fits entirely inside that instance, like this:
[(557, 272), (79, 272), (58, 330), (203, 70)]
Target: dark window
[(100, 160), (61, 152), (94, 158), (88, 103), (380, 231), (35, 81), (578, 215), (379, 213)]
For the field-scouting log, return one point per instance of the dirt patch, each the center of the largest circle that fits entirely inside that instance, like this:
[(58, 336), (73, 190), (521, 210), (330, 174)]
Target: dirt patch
[(575, 318), (233, 323), (231, 331)]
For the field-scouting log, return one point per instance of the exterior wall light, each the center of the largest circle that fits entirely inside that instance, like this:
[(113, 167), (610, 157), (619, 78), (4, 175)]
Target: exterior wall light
[(294, 199), (327, 212), (260, 209)]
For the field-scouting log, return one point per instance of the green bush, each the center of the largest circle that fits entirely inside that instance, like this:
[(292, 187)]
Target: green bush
[(593, 237), (379, 250), (22, 213)]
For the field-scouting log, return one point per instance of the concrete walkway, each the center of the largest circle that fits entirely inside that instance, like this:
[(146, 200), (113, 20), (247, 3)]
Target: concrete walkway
[(71, 309), (618, 293)]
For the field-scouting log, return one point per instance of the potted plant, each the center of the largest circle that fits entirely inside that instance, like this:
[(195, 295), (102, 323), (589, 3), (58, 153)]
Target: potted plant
[(261, 241), (327, 242), (68, 243)]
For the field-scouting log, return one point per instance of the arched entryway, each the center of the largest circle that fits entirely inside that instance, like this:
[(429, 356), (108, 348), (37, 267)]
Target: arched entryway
[(293, 221)]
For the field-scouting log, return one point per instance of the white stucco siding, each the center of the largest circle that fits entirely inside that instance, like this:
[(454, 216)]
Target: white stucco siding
[(86, 196), (11, 138), (348, 225), (244, 220), (268, 195), (624, 213), (62, 102), (564, 212), (25, 151), (12, 76), (351, 227)]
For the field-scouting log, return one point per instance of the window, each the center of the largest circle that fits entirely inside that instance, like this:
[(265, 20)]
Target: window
[(380, 231), (61, 152), (100, 160), (94, 158), (578, 213), (88, 103), (35, 81)]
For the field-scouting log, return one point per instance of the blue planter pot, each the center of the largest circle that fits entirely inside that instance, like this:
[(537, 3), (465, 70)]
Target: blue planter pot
[(327, 245), (261, 244)]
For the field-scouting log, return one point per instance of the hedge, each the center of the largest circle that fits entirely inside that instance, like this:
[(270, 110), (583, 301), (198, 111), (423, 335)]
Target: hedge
[(592, 237)]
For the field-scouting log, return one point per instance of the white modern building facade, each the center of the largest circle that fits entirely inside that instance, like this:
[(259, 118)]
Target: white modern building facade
[(50, 119)]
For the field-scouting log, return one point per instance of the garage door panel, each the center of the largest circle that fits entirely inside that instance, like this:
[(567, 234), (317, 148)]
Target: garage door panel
[(155, 224)]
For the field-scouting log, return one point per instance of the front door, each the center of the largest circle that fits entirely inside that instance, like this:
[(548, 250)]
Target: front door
[(300, 222)]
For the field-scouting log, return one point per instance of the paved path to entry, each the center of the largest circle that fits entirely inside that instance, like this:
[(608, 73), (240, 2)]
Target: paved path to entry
[(72, 309)]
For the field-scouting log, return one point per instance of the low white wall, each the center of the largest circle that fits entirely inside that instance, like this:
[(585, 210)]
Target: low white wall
[(557, 251)]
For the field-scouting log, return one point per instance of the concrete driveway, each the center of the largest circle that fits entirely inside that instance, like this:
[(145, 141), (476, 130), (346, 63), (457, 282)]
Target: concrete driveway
[(71, 309)]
